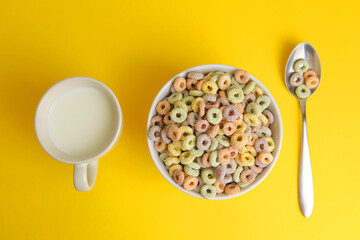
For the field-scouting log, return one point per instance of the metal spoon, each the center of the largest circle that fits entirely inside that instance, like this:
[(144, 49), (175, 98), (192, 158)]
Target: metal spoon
[(306, 192)]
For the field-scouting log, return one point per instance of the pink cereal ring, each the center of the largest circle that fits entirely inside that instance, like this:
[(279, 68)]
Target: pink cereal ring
[(229, 128), (220, 173), (232, 189), (224, 155), (231, 113), (191, 84), (203, 142), (157, 121), (261, 145), (249, 98), (214, 131), (256, 169), (241, 76), (259, 164), (247, 176), (205, 160), (164, 136), (219, 186), (179, 84), (190, 183), (201, 109), (179, 177), (201, 125), (269, 116)]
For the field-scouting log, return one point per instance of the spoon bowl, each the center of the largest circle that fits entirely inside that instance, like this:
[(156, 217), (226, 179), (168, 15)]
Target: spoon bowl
[(302, 51)]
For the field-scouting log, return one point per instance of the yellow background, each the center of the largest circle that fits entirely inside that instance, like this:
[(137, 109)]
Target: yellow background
[(135, 47)]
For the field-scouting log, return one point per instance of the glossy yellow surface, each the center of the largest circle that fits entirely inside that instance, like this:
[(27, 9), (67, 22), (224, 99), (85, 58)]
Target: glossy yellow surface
[(135, 47)]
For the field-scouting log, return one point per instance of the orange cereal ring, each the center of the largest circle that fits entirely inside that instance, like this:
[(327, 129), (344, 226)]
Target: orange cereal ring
[(240, 107), (233, 152), (224, 82), (265, 157), (201, 109), (213, 131), (247, 176), (205, 160), (224, 155), (215, 104), (174, 133), (232, 189), (219, 186), (160, 145), (312, 82), (163, 107), (229, 128), (201, 125), (191, 84), (200, 83), (179, 177), (179, 84), (309, 73), (241, 76), (190, 183), (167, 119), (222, 94)]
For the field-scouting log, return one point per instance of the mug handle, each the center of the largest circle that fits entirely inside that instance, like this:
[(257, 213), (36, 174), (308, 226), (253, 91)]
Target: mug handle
[(85, 175)]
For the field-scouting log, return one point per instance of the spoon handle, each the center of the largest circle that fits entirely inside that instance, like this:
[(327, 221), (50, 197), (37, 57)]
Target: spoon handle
[(306, 192)]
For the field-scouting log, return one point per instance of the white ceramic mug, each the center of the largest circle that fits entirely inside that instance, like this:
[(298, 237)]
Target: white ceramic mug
[(85, 166)]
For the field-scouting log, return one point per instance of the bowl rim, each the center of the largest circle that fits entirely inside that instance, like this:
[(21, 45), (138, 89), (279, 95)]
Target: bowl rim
[(159, 164)]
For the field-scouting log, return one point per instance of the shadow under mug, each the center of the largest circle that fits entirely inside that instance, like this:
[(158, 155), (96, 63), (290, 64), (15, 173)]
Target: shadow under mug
[(85, 167)]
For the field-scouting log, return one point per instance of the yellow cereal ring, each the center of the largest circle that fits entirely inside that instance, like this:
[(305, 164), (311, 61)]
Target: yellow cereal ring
[(173, 149), (251, 120), (245, 159), (195, 104), (180, 104), (263, 120), (257, 91), (209, 87), (241, 127), (271, 143), (238, 139), (251, 150), (175, 167), (185, 131), (171, 160), (186, 158)]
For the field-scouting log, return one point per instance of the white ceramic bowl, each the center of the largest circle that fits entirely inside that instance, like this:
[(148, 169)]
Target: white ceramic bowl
[(276, 128)]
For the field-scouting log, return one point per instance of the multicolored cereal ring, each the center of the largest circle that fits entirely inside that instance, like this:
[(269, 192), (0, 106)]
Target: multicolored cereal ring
[(232, 189), (301, 66), (214, 115), (241, 127), (179, 177), (312, 82), (222, 94), (236, 175), (195, 75), (176, 96), (296, 79), (230, 167), (154, 133), (203, 142), (249, 87), (251, 119), (224, 82), (189, 142), (215, 77), (175, 167), (208, 191), (160, 146), (201, 125), (215, 104), (213, 131), (190, 183), (219, 186), (213, 159), (224, 155), (261, 145), (163, 107), (209, 87), (260, 164), (235, 94), (179, 84), (208, 176), (247, 176), (265, 157), (157, 121), (201, 82), (242, 76)]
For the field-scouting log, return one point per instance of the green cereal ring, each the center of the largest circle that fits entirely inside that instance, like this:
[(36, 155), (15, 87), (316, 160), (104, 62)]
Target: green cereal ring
[(188, 101), (216, 76), (196, 93), (213, 159), (189, 142), (253, 108), (171, 160), (214, 145), (194, 165), (192, 172), (186, 158), (163, 156), (302, 91), (208, 191), (214, 116), (196, 152), (208, 176), (180, 104), (249, 87), (210, 74), (176, 96), (263, 101), (223, 140), (235, 94), (301, 66), (236, 175), (242, 185), (178, 115)]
